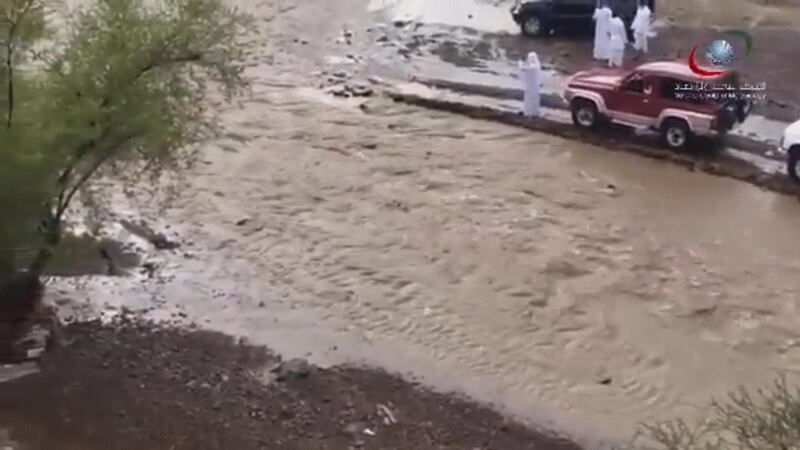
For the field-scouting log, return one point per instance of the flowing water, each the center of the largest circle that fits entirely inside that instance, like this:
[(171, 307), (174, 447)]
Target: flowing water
[(557, 279)]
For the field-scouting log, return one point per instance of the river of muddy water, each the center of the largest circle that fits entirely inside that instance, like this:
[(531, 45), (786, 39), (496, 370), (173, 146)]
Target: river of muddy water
[(559, 280)]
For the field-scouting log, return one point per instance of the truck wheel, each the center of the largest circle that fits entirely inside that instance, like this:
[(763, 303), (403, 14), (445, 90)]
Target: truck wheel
[(532, 26), (793, 164), (675, 133), (584, 113)]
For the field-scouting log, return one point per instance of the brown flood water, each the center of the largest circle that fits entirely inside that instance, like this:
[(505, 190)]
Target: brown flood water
[(506, 257), (529, 270)]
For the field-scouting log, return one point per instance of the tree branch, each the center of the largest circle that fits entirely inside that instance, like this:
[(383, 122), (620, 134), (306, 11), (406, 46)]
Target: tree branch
[(10, 48), (53, 226), (91, 171)]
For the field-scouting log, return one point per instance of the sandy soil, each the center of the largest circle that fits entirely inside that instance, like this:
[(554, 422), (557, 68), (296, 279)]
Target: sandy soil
[(138, 387)]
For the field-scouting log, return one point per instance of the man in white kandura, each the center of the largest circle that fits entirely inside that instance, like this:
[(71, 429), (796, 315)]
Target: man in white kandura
[(531, 80), (641, 26), (602, 21), (619, 39)]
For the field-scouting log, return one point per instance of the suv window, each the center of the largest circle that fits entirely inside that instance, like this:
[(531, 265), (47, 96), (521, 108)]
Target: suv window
[(639, 84), (634, 84)]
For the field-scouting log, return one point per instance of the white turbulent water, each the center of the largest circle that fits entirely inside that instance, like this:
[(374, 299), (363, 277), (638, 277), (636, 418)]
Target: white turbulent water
[(484, 257)]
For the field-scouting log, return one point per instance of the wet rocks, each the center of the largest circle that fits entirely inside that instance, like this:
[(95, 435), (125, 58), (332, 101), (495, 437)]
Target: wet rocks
[(340, 75), (346, 37), (292, 369), (144, 386), (348, 90)]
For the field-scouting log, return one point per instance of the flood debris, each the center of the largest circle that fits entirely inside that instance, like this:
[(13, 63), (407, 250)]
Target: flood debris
[(346, 37), (386, 414), (141, 229), (349, 90)]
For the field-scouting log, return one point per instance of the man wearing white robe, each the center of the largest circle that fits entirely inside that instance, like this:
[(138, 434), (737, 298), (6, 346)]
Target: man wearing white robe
[(531, 80), (619, 38), (602, 21), (641, 27)]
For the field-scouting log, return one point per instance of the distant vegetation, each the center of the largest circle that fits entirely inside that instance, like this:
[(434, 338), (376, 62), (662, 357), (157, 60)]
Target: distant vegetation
[(768, 419), (118, 90)]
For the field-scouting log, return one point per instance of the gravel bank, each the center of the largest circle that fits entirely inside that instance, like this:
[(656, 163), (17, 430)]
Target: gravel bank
[(135, 386)]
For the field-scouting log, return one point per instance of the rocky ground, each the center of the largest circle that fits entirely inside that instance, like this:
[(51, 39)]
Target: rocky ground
[(135, 386)]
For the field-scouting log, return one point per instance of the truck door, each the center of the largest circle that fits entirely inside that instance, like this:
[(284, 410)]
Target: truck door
[(636, 101)]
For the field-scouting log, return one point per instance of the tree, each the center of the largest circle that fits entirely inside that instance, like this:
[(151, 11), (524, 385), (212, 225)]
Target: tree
[(120, 91)]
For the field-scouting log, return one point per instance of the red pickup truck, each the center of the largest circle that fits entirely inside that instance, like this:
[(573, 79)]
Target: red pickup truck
[(663, 96)]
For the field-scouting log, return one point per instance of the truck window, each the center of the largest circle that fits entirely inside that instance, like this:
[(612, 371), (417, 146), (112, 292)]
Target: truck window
[(634, 84)]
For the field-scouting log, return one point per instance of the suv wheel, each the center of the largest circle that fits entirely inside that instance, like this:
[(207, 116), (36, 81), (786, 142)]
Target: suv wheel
[(584, 113), (675, 133), (533, 26), (793, 164)]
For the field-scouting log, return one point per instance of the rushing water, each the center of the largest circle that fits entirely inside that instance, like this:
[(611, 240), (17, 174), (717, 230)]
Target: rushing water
[(538, 273)]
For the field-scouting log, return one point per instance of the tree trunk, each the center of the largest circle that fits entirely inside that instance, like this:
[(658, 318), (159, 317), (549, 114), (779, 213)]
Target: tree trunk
[(24, 332), (8, 265), (52, 237)]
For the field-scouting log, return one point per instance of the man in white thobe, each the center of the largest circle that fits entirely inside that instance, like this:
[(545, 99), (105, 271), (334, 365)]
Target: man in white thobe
[(602, 20), (641, 27), (531, 79), (619, 38)]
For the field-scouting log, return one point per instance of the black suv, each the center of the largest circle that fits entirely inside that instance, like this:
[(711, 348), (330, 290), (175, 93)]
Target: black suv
[(541, 17)]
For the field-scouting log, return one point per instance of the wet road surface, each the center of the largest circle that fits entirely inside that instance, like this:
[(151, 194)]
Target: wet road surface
[(567, 284)]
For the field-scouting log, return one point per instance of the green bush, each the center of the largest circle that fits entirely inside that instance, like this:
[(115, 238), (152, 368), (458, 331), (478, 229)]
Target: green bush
[(766, 420)]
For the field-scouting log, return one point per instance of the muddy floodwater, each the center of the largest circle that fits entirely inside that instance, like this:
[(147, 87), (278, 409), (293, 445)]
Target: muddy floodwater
[(558, 280)]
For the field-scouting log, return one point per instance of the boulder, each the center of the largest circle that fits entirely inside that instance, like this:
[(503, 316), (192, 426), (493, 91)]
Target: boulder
[(292, 369)]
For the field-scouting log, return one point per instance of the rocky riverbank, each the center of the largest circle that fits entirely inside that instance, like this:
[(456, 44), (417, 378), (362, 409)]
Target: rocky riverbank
[(132, 385)]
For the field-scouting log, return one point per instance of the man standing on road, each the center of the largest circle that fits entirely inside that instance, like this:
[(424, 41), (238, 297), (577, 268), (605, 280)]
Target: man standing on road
[(619, 39), (602, 21), (641, 27), (531, 79)]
